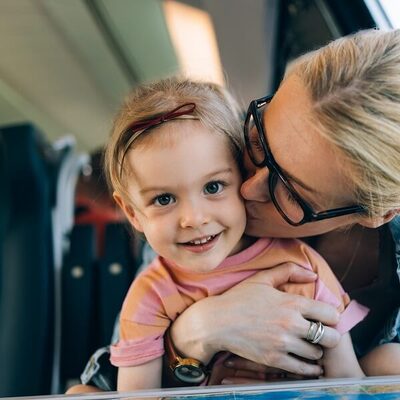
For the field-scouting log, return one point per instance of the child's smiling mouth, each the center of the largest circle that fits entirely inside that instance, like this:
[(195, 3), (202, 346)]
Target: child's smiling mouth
[(200, 241), (204, 243)]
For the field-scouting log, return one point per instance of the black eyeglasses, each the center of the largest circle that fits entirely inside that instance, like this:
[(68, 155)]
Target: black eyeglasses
[(288, 202)]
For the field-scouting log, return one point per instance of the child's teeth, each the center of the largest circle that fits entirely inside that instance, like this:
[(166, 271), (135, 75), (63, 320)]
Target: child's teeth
[(201, 241)]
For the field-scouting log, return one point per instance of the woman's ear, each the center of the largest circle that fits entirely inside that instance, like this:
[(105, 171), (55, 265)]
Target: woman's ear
[(375, 222), (128, 211)]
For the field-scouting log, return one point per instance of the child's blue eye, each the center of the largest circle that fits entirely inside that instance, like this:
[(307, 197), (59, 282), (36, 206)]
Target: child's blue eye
[(163, 200), (213, 187)]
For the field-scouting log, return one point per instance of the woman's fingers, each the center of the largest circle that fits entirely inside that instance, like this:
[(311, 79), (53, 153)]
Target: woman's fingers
[(313, 310), (276, 377), (287, 363), (331, 338), (318, 311), (309, 309), (308, 351), (239, 370), (242, 364), (284, 273), (245, 371), (292, 364)]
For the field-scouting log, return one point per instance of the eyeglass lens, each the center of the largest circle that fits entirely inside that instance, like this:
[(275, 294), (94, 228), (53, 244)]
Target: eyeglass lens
[(279, 192), (285, 201)]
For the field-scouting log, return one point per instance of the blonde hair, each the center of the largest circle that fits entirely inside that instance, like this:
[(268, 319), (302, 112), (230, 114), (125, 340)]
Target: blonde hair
[(215, 108), (354, 83)]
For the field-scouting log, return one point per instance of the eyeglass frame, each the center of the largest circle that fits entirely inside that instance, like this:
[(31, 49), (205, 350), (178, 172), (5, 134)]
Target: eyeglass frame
[(276, 173)]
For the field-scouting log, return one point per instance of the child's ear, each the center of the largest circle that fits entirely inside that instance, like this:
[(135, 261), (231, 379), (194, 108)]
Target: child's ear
[(375, 222), (128, 211)]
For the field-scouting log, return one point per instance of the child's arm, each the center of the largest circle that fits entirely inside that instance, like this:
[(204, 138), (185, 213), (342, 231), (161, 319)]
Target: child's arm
[(341, 361), (145, 376), (382, 360)]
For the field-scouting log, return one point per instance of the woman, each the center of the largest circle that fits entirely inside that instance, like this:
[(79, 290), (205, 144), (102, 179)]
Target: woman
[(331, 131), (329, 139)]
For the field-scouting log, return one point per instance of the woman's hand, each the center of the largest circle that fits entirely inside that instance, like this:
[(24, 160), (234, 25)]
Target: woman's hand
[(237, 370), (259, 323)]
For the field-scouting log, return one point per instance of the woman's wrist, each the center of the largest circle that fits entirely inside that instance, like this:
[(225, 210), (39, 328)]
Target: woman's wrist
[(194, 334)]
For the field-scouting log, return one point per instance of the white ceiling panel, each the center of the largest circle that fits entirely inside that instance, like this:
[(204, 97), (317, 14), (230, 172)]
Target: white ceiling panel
[(65, 65)]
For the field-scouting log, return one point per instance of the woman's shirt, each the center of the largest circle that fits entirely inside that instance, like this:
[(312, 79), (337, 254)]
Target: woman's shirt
[(382, 296)]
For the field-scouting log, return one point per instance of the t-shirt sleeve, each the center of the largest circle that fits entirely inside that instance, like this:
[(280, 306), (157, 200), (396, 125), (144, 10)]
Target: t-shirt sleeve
[(136, 351), (143, 321), (329, 290)]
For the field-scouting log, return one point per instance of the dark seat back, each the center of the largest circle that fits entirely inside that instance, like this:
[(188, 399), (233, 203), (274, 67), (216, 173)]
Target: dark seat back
[(79, 302), (94, 287), (117, 269), (26, 271)]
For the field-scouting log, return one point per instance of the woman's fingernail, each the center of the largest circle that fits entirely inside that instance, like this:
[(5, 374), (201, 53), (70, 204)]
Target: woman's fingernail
[(226, 382)]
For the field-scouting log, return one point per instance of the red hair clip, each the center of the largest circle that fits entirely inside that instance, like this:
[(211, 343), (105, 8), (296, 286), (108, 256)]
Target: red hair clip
[(137, 128)]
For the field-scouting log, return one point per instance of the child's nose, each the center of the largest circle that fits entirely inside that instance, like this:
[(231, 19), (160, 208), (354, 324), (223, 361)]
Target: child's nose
[(193, 216)]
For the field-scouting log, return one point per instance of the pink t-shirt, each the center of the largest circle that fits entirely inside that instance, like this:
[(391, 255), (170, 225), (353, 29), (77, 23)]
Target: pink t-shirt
[(163, 291)]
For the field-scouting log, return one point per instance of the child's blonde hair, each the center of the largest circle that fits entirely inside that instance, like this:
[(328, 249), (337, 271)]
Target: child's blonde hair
[(354, 83), (215, 108)]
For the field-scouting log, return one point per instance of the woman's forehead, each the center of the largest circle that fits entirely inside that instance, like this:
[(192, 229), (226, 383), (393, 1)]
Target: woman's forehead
[(299, 148)]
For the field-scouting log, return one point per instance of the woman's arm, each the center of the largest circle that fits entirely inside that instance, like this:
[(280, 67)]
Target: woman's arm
[(258, 322), (145, 376)]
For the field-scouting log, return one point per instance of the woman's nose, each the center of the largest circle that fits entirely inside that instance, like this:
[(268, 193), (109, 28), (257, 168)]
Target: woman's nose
[(255, 187)]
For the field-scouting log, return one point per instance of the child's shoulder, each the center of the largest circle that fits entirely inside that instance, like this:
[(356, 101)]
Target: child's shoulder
[(148, 288), (156, 270), (300, 251), (290, 244)]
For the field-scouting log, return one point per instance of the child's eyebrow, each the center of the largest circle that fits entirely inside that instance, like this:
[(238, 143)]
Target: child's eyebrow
[(153, 189), (146, 190), (219, 172)]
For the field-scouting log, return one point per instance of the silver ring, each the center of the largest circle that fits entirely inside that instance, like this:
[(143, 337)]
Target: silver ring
[(315, 332), (311, 331)]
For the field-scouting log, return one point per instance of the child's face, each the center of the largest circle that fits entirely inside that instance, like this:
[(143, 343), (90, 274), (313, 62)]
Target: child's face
[(185, 192)]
